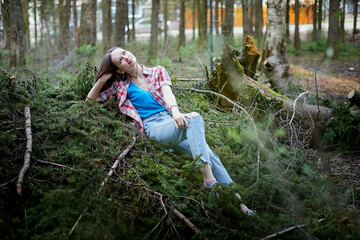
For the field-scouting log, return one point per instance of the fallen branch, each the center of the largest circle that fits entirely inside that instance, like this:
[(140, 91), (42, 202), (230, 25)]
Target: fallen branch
[(27, 152), (55, 164), (289, 229), (118, 159), (185, 220)]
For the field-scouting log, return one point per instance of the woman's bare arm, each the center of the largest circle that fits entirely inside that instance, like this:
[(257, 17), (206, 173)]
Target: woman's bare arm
[(170, 100), (95, 90)]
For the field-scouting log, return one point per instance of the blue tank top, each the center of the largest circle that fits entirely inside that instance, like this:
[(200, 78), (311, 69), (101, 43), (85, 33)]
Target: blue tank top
[(143, 102)]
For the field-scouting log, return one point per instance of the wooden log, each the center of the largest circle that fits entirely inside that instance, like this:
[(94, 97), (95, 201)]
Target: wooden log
[(276, 71), (354, 98), (28, 150)]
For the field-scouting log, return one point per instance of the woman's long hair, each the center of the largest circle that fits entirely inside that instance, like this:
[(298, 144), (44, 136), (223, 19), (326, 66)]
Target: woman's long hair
[(107, 66)]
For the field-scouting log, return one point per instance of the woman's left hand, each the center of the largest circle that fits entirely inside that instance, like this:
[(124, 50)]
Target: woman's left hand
[(180, 119)]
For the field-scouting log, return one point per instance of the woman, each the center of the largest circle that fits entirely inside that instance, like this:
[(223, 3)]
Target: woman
[(145, 95)]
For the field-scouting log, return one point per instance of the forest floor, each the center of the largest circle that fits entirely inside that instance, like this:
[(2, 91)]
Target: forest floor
[(335, 80)]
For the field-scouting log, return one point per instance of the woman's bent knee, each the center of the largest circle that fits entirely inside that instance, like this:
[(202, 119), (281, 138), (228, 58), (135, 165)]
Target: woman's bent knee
[(194, 114)]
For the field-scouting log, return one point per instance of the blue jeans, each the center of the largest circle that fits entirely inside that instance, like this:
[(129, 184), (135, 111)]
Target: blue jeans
[(190, 141)]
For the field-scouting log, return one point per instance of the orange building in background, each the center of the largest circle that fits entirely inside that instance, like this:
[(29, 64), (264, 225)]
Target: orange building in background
[(306, 16)]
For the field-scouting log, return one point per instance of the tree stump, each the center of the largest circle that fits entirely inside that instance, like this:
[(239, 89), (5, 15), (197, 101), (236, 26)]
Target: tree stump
[(354, 98), (249, 57)]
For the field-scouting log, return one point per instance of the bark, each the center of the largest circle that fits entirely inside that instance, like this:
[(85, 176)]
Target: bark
[(228, 24), (332, 44), (354, 98), (106, 24), (275, 30), (28, 150), (314, 35), (64, 17), (204, 19), (222, 13), (319, 20), (165, 22), (120, 23), (193, 19), (342, 23), (5, 10), (154, 30), (249, 57), (355, 19), (247, 25), (128, 32), (297, 43), (216, 17), (199, 19), (287, 20), (25, 8), (182, 25), (35, 26), (259, 24), (76, 28), (16, 33), (87, 30), (133, 37)]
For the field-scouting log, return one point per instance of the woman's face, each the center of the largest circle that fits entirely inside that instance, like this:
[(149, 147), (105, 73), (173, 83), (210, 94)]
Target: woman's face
[(124, 60)]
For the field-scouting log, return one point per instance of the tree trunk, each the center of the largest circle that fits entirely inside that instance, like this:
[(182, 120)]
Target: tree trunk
[(228, 24), (355, 19), (314, 36), (342, 23), (259, 24), (204, 19), (297, 33), (193, 18), (76, 28), (182, 25), (5, 9), (154, 30), (106, 24), (216, 17), (247, 26), (120, 23), (287, 20), (332, 44), (222, 13), (16, 33), (354, 98), (199, 19), (133, 37), (275, 30), (127, 24), (165, 23), (25, 8), (319, 20), (64, 16), (35, 27), (87, 30)]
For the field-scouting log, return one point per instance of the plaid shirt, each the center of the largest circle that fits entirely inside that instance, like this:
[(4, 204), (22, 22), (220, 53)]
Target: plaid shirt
[(156, 77)]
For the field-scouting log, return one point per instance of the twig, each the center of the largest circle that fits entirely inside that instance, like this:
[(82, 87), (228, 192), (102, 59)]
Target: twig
[(289, 229), (116, 163), (28, 150), (55, 164), (294, 107), (185, 220)]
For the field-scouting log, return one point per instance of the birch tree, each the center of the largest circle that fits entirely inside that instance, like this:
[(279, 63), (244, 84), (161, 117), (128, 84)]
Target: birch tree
[(275, 30)]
